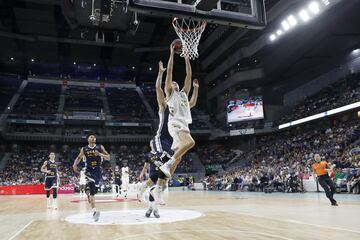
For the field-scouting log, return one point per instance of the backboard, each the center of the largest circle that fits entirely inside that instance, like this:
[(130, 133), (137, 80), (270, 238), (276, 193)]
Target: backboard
[(239, 13)]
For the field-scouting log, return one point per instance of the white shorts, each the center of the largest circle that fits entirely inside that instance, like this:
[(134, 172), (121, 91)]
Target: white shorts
[(175, 127)]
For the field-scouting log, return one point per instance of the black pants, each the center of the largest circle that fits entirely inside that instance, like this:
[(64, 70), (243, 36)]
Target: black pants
[(327, 184)]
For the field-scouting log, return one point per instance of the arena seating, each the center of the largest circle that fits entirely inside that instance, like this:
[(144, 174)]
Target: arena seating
[(336, 95), (9, 85), (38, 99), (284, 159), (25, 162), (83, 99), (215, 153), (126, 104)]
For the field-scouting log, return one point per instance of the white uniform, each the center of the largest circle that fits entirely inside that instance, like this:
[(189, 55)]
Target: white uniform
[(125, 178), (82, 178), (179, 117)]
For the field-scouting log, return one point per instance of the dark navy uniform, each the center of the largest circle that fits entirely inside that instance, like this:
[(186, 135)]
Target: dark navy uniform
[(161, 143), (51, 178), (92, 168), (117, 178), (160, 147), (155, 163)]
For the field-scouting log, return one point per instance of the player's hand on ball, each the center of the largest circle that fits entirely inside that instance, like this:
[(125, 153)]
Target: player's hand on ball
[(161, 67), (196, 83)]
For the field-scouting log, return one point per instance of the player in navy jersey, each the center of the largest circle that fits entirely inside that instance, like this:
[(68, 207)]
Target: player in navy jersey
[(117, 182), (94, 155), (49, 167)]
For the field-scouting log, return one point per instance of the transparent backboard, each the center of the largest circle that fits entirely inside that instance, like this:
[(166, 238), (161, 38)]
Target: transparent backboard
[(240, 13)]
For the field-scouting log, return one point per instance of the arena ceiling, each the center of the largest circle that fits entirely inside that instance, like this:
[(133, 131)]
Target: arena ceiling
[(38, 29)]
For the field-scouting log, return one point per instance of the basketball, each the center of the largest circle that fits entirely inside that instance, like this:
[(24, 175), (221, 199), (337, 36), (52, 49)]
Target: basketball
[(178, 46)]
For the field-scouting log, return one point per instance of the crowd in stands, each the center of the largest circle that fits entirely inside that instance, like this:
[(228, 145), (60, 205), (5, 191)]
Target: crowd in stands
[(283, 160), (334, 96), (23, 166), (215, 153)]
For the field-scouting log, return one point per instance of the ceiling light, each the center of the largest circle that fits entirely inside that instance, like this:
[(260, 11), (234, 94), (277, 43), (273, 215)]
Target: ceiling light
[(12, 59), (326, 2), (314, 7), (279, 32), (285, 25), (150, 68), (272, 37), (32, 60), (94, 64), (291, 19), (304, 15), (133, 68), (74, 63), (356, 51)]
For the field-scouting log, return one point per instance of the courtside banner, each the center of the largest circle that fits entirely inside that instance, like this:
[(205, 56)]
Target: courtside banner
[(33, 189)]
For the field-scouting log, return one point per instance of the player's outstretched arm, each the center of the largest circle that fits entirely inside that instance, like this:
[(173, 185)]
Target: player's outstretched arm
[(188, 77), (195, 94), (43, 167), (77, 160), (159, 92), (169, 73), (104, 154)]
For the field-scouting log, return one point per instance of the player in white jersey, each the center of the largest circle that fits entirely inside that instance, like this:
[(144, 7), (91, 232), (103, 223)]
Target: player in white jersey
[(125, 180), (82, 183), (180, 115)]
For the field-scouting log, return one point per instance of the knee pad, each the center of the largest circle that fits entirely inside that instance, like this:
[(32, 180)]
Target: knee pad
[(47, 193)]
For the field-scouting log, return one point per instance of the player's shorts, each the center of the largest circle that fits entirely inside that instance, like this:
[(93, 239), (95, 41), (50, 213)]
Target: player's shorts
[(93, 176), (125, 180), (82, 182), (161, 145), (175, 127), (155, 175), (118, 182), (51, 182)]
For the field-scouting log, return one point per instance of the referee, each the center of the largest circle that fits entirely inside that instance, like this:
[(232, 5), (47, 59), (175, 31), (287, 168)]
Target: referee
[(321, 169)]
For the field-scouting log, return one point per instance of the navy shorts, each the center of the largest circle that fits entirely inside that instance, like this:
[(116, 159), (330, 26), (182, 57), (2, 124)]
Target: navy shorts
[(161, 145), (51, 182), (93, 175)]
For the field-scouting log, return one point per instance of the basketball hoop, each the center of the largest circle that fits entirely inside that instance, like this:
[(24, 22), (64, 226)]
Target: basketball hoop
[(189, 32)]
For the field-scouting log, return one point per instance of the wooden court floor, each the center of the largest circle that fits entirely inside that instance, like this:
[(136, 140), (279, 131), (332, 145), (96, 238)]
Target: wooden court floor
[(224, 216)]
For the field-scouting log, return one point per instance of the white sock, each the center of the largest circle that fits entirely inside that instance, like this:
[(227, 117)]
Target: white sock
[(142, 188), (171, 161)]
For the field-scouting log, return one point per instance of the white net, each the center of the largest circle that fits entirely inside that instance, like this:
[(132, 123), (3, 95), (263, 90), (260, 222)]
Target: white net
[(189, 32)]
